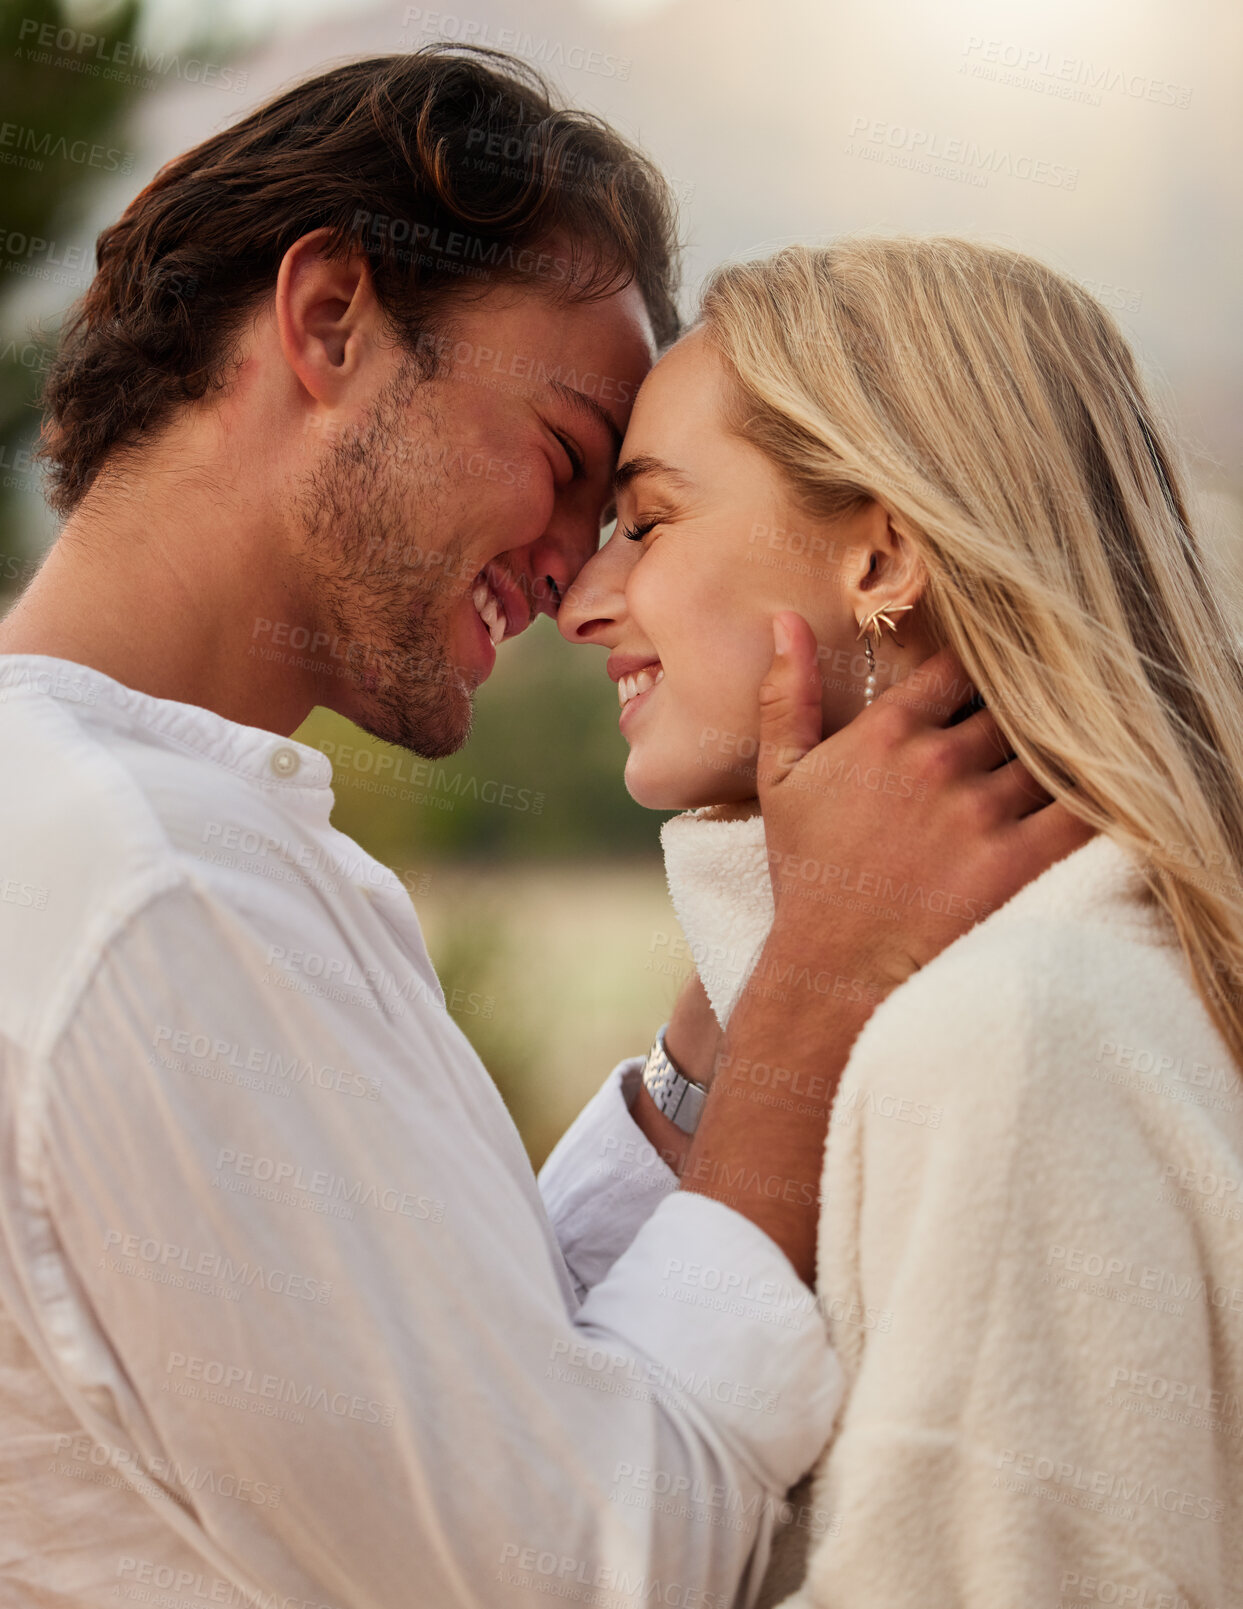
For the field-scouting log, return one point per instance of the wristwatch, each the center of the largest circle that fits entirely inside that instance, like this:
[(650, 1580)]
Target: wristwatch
[(678, 1097)]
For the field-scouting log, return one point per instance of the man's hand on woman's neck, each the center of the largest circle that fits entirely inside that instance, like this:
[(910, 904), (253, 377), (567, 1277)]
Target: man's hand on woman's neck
[(971, 825)]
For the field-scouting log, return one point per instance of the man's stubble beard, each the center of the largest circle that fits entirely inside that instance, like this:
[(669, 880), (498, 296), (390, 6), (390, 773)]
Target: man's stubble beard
[(372, 582)]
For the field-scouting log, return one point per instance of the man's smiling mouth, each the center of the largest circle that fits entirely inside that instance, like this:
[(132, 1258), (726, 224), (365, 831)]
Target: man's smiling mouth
[(490, 610), (500, 604)]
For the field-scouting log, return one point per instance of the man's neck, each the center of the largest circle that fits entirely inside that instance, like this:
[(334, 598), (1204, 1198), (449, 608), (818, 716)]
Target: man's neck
[(173, 605)]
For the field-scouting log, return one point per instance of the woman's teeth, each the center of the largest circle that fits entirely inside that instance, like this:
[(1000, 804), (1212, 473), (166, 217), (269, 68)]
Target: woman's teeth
[(629, 687), (488, 606)]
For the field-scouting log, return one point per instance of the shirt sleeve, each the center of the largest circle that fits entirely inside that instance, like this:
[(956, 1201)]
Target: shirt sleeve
[(353, 1302), (603, 1180)]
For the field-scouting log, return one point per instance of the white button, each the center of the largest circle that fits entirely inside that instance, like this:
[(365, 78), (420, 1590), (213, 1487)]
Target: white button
[(284, 761)]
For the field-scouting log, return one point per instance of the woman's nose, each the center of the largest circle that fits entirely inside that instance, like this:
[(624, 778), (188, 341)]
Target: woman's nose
[(594, 605)]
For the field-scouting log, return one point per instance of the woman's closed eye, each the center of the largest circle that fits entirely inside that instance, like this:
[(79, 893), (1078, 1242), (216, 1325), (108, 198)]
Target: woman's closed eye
[(636, 532)]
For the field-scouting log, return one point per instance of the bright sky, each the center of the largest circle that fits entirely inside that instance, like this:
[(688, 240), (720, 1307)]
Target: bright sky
[(1116, 128)]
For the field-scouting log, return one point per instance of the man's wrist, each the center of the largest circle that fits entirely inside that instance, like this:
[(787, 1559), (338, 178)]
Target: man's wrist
[(758, 1149), (797, 965), (665, 1138), (693, 1036)]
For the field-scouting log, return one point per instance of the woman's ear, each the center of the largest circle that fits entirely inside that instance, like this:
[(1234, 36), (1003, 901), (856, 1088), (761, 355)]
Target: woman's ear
[(885, 569)]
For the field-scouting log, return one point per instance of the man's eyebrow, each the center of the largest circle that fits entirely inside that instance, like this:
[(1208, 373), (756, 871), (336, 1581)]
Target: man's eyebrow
[(645, 464), (580, 401)]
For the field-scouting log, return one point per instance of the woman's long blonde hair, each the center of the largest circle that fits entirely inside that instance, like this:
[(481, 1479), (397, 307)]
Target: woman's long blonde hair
[(994, 409)]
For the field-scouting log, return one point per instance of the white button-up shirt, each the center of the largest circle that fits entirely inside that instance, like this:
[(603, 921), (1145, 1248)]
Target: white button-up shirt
[(284, 1320)]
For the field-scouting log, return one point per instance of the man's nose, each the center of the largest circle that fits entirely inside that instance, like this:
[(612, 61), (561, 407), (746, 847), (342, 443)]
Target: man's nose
[(556, 561)]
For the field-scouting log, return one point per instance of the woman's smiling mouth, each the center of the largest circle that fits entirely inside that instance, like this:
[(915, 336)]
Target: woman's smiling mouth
[(639, 682), (635, 675)]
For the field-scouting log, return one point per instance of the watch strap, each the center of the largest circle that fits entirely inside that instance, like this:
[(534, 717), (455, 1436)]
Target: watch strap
[(679, 1098)]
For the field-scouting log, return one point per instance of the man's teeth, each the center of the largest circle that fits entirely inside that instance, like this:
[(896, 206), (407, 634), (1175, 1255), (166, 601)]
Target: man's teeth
[(489, 609), (629, 687)]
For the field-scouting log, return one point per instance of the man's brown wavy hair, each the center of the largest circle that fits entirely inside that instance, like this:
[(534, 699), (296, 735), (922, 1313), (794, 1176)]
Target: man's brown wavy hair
[(452, 169)]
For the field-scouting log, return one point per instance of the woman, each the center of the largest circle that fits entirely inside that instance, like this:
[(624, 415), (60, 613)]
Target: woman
[(1030, 1252)]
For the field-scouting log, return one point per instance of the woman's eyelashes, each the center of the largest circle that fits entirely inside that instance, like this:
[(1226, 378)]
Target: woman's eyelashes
[(636, 533)]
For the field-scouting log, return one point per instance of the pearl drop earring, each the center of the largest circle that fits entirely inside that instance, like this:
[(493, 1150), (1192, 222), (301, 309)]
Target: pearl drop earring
[(869, 686), (872, 626)]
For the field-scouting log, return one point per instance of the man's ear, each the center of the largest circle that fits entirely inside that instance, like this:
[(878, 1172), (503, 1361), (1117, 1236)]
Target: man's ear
[(326, 312), (885, 569)]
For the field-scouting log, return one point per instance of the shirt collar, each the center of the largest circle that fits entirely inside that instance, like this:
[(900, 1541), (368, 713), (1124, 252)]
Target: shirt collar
[(249, 751)]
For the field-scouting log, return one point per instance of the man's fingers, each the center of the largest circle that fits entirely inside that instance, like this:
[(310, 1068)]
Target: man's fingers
[(791, 720), (934, 689), (979, 742), (1052, 832), (1015, 791)]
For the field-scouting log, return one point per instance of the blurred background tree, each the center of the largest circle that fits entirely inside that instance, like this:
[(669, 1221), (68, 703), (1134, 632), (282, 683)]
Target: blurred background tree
[(68, 74), (36, 210)]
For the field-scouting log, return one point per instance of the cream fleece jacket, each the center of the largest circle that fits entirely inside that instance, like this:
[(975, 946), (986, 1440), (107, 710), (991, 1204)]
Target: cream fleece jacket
[(1031, 1263), (717, 871)]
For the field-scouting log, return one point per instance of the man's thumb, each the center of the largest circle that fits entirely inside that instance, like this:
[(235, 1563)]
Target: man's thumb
[(791, 720)]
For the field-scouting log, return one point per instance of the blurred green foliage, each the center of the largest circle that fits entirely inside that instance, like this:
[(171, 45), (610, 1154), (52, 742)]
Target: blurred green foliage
[(44, 97), (540, 779), (539, 785), (67, 75)]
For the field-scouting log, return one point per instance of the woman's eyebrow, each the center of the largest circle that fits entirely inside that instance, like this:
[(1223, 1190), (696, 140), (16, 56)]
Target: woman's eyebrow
[(645, 464)]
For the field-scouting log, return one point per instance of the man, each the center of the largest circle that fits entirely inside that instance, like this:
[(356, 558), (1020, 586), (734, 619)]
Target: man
[(283, 1318)]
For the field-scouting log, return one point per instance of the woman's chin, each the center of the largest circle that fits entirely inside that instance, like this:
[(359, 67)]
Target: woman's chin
[(674, 789)]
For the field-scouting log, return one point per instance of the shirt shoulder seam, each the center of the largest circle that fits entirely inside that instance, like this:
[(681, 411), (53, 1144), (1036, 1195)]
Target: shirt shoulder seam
[(100, 934)]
